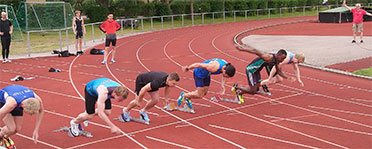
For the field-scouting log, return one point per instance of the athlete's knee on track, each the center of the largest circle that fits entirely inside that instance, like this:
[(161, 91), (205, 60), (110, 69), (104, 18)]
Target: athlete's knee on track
[(107, 112)]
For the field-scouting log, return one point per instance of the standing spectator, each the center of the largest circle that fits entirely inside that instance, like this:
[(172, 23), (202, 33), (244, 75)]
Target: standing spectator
[(357, 20), (79, 31), (109, 27), (6, 29)]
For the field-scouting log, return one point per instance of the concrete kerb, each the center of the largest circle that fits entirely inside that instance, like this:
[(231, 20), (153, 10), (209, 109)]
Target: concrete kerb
[(305, 65)]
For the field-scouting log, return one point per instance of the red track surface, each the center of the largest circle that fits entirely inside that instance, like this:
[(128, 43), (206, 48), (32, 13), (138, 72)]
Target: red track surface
[(330, 111)]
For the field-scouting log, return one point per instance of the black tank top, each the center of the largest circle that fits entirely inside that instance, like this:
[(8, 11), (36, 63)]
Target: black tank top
[(78, 25)]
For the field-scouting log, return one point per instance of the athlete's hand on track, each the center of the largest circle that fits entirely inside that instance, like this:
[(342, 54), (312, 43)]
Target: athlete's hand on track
[(299, 81), (116, 130), (185, 69), (35, 136), (1, 33)]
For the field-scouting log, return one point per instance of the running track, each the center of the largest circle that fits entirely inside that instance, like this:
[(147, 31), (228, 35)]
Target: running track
[(330, 111)]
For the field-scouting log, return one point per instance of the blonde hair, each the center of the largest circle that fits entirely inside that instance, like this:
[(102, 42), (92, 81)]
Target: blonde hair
[(31, 105), (357, 5), (77, 11), (121, 91), (300, 57)]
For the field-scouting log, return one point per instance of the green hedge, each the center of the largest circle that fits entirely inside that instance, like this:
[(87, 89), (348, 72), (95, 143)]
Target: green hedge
[(132, 9)]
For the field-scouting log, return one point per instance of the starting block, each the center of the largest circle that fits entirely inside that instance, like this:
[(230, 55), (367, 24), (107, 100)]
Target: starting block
[(172, 107), (264, 93), (236, 100), (138, 120), (81, 132)]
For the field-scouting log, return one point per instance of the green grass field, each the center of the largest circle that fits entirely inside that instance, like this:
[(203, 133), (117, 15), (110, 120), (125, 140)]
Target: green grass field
[(364, 72)]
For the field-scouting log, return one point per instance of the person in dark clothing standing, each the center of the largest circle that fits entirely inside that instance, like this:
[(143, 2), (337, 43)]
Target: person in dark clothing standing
[(79, 31), (6, 30)]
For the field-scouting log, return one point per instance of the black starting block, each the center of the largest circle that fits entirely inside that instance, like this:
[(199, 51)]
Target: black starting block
[(263, 93), (133, 119), (172, 107), (81, 132)]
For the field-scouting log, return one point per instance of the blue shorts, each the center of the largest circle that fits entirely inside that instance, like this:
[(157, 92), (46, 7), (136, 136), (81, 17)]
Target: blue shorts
[(202, 82)]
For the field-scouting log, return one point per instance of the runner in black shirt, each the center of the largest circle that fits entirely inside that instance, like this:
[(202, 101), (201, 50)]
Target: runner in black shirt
[(150, 82), (79, 31), (6, 30)]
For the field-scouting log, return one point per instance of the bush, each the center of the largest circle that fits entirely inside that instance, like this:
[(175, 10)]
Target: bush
[(148, 9), (95, 12), (161, 9), (177, 7)]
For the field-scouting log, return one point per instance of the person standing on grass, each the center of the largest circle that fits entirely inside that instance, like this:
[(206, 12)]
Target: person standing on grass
[(99, 91), (357, 20), (79, 30), (109, 27), (14, 100), (150, 82), (6, 30)]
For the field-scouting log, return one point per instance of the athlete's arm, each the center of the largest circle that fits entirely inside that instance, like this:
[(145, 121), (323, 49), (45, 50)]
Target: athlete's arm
[(166, 93), (73, 25), (369, 14), (297, 72), (196, 65), (280, 72), (142, 92), (39, 118), (102, 97), (83, 25), (117, 26), (346, 5), (102, 26), (11, 29)]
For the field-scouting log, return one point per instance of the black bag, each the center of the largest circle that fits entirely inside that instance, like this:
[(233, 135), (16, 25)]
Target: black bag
[(64, 54), (95, 51)]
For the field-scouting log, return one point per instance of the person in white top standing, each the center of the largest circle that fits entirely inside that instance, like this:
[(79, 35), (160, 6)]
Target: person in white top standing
[(357, 20)]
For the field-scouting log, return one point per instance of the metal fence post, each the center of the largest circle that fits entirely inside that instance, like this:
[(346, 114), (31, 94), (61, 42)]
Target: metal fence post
[(304, 11), (122, 26), (292, 11), (60, 40), (192, 19), (131, 25), (172, 22), (268, 10), (224, 16), (152, 26), (280, 12), (202, 18), (257, 13), (28, 44), (182, 20), (162, 24), (102, 35), (142, 24), (246, 13), (93, 32), (234, 16), (67, 44), (212, 17)]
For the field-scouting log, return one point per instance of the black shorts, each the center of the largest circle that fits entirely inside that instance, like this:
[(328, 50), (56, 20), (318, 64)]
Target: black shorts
[(140, 85), (90, 103), (15, 111), (112, 41), (79, 35)]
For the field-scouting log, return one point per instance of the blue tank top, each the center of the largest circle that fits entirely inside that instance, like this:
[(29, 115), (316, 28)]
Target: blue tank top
[(202, 73), (19, 93), (92, 86), (291, 55)]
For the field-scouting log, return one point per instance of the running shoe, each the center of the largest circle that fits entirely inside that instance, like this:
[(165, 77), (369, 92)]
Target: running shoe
[(74, 128), (8, 60), (189, 103), (266, 89), (9, 143), (103, 62), (180, 99), (4, 61), (361, 41), (240, 97), (112, 60), (353, 41), (233, 89), (144, 116), (125, 116)]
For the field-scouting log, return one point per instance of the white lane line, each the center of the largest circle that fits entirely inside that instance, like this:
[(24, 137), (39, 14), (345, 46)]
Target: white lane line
[(204, 130), (342, 111), (29, 138), (262, 136), (167, 142), (318, 125), (296, 117), (256, 118), (364, 100)]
